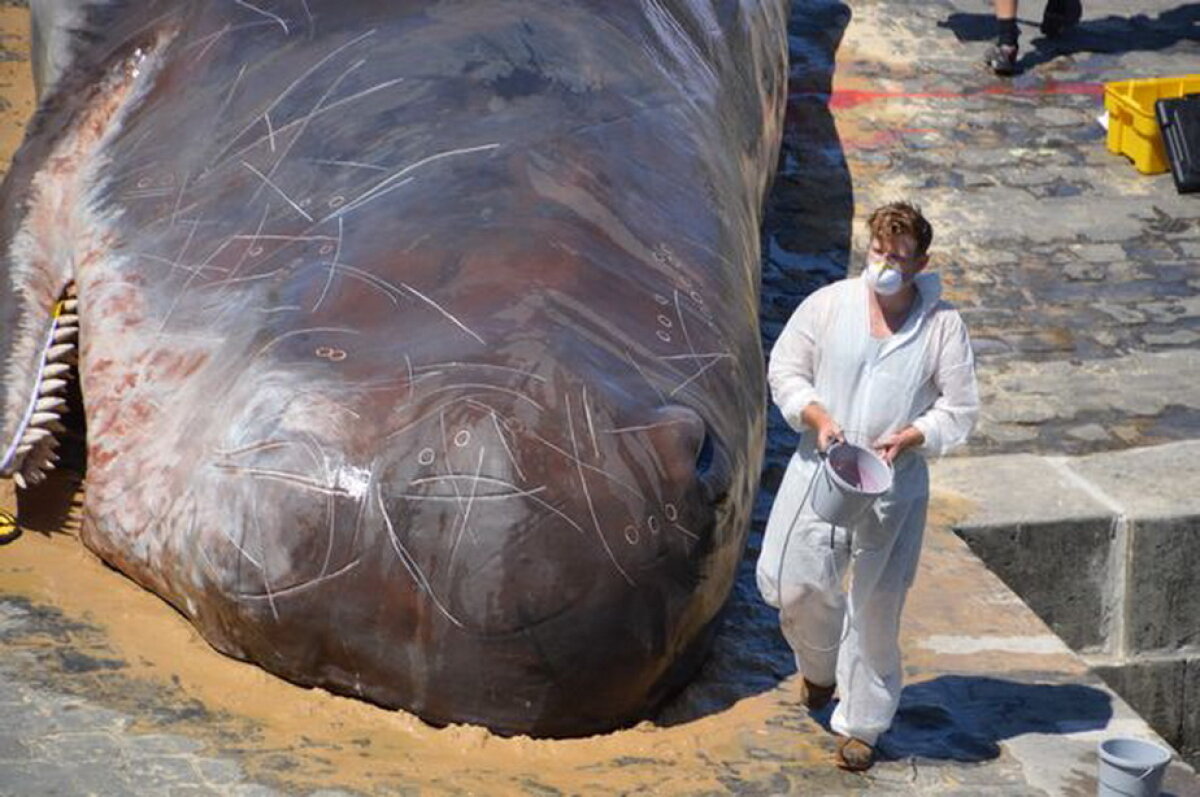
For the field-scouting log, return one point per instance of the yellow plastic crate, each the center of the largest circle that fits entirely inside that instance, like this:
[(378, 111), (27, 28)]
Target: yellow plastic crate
[(1132, 127)]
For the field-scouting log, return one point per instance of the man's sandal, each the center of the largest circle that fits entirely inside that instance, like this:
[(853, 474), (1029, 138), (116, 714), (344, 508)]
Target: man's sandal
[(854, 754), (817, 697)]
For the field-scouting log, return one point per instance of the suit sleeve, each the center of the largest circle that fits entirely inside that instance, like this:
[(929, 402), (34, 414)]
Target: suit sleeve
[(947, 424)]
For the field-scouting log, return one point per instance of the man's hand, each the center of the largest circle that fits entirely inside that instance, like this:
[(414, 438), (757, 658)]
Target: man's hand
[(828, 432), (893, 445)]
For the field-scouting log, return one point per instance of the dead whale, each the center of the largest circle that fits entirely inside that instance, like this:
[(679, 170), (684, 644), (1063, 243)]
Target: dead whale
[(417, 342)]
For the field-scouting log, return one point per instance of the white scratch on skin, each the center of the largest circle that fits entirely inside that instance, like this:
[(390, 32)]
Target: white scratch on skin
[(661, 398), (229, 94), (449, 317), (699, 373), (482, 497), (186, 283), (485, 386), (304, 76), (384, 186), (295, 479), (591, 429), (263, 569), (644, 427), (308, 117), (410, 564), (588, 496), (507, 450), (286, 591), (270, 131), (212, 38), (318, 112), (246, 251), (446, 460), (332, 266), (353, 164), (455, 477), (304, 331), (457, 364), (265, 13), (278, 190), (685, 532), (251, 448), (579, 462), (466, 516)]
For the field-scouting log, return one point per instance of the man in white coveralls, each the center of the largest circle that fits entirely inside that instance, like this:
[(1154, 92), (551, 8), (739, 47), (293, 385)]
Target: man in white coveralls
[(883, 358)]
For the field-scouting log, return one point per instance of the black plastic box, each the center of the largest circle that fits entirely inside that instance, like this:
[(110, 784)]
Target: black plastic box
[(1179, 121)]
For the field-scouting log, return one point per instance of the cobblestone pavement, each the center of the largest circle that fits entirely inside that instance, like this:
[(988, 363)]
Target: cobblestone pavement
[(1076, 274)]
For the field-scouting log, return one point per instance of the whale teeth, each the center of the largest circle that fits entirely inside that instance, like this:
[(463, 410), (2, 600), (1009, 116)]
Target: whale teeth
[(56, 369), (68, 320), (49, 386), (19, 478), (55, 426), (49, 403), (65, 334), (70, 305), (43, 418), (34, 435), (59, 351)]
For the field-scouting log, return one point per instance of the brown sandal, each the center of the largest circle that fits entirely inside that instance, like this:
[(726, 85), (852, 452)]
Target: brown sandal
[(855, 754), (817, 697)]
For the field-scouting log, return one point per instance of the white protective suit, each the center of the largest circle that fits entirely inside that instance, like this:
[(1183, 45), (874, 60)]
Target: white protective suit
[(922, 375)]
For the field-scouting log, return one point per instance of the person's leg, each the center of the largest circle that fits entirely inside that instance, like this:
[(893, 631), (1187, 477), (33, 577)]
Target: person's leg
[(1002, 57), (869, 670), (1060, 16), (797, 573)]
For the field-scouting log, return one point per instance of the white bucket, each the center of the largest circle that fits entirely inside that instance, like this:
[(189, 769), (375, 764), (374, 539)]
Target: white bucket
[(1131, 768), (848, 481)]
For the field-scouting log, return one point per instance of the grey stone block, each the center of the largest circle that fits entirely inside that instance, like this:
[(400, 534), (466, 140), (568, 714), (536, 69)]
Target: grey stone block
[(1163, 602), (1149, 482), (1156, 690), (1060, 569)]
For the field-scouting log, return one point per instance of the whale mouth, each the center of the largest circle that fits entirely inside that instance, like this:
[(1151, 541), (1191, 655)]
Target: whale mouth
[(33, 452)]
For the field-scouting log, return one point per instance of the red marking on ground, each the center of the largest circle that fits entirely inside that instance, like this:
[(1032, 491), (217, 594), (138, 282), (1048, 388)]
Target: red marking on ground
[(851, 98)]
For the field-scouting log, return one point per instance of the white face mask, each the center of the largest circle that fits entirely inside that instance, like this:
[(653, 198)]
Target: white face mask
[(882, 278)]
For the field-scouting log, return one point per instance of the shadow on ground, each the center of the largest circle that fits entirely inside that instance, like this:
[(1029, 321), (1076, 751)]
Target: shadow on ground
[(964, 718), (1110, 34), (805, 245)]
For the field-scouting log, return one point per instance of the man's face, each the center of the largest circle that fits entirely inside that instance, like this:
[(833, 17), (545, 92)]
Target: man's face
[(898, 252)]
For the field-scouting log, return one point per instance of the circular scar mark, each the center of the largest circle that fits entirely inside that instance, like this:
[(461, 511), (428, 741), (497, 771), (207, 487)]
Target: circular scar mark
[(327, 249), (663, 336), (426, 456), (632, 535), (330, 353), (462, 438), (652, 523), (671, 512), (665, 322), (255, 251), (663, 300), (336, 201)]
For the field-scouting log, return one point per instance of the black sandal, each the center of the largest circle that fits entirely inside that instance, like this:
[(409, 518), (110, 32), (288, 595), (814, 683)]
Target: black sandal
[(1002, 59)]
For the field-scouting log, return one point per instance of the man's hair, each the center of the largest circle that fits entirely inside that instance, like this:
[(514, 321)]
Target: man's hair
[(901, 218)]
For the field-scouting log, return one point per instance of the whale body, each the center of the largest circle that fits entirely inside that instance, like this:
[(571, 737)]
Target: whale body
[(417, 342)]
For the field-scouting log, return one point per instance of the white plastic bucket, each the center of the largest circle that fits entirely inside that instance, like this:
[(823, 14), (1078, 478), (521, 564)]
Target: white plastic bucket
[(1131, 768), (848, 481)]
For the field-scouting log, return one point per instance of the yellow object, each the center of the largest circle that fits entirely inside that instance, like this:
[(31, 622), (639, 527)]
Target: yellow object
[(1132, 126), (9, 530)]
